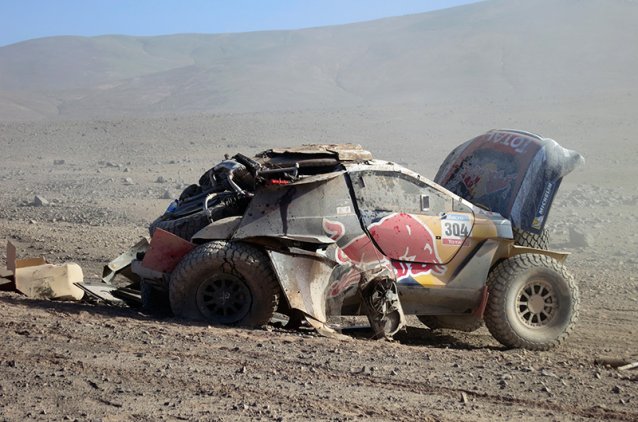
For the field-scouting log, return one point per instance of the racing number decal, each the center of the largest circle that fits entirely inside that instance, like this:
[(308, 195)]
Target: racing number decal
[(454, 229)]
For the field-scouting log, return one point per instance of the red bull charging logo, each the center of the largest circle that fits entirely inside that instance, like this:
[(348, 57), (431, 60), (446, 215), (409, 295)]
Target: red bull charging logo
[(404, 239)]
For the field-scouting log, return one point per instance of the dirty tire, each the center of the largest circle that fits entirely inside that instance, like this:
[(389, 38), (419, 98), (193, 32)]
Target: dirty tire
[(533, 302), (225, 283), (154, 302), (466, 323), (532, 240), (184, 227)]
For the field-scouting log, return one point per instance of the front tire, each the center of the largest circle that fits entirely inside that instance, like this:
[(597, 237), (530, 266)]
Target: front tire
[(531, 240), (533, 302), (225, 283)]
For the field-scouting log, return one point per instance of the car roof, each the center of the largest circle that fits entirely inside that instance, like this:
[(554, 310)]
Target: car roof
[(340, 152)]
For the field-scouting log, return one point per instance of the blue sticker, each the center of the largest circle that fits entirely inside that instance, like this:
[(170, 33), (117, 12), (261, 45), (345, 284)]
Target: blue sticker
[(457, 217)]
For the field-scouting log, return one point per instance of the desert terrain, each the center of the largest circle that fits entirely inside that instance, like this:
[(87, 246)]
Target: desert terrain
[(106, 175), (96, 363)]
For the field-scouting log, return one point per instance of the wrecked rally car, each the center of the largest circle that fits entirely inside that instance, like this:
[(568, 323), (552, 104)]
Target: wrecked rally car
[(326, 230)]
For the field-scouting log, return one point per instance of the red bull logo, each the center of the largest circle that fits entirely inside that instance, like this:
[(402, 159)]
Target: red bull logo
[(408, 245), (485, 179)]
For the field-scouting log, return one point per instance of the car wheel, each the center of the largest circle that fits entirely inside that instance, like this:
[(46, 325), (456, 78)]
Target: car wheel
[(224, 283), (531, 240), (533, 302), (467, 323)]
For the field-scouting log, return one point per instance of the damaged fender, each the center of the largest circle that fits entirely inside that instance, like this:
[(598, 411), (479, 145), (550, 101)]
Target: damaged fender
[(307, 278), (304, 278)]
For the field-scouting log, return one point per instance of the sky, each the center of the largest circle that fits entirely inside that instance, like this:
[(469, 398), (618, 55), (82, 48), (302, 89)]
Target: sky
[(22, 20)]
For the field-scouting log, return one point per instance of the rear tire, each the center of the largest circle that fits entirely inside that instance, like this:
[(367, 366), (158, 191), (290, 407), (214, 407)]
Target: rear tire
[(225, 283), (184, 227), (533, 302), (466, 323)]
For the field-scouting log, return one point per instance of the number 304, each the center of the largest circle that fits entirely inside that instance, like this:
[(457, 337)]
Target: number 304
[(456, 229)]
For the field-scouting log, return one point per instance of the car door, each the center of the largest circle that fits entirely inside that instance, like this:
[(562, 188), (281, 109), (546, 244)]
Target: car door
[(409, 220)]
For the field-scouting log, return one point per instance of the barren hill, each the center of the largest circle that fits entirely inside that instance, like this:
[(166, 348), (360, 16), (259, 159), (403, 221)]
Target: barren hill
[(499, 50)]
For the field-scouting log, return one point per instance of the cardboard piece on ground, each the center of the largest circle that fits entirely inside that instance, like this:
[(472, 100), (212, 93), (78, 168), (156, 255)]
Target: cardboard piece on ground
[(36, 278), (166, 251), (7, 283), (11, 257), (29, 262), (49, 281)]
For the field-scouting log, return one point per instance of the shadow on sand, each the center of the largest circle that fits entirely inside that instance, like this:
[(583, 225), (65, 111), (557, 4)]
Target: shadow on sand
[(415, 336)]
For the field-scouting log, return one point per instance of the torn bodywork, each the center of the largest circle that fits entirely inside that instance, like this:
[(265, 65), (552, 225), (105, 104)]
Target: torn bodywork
[(122, 264)]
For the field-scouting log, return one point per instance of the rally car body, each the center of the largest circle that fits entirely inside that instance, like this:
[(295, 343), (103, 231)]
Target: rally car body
[(359, 236)]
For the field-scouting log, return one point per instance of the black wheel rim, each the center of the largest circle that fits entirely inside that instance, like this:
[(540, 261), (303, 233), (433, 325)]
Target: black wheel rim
[(224, 299), (537, 303)]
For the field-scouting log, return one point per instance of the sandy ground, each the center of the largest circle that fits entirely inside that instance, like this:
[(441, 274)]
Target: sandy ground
[(74, 361)]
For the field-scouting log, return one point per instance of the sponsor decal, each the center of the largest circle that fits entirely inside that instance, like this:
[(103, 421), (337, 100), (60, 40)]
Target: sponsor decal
[(516, 142), (547, 194), (456, 217), (400, 235), (483, 179), (537, 223), (455, 228)]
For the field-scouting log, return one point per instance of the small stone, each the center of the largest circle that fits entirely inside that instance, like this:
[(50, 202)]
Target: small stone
[(616, 389), (160, 179), (464, 399), (128, 181), (40, 201), (167, 195), (58, 162)]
